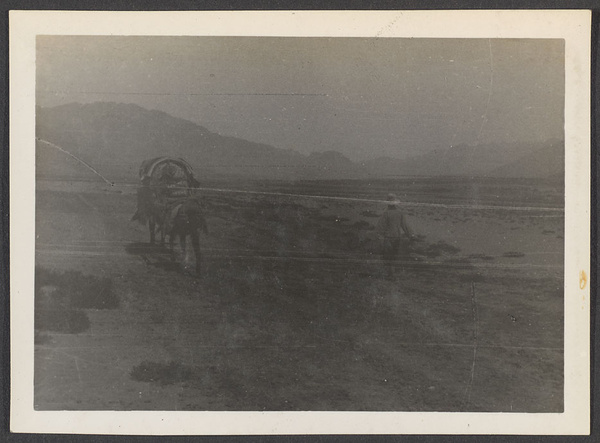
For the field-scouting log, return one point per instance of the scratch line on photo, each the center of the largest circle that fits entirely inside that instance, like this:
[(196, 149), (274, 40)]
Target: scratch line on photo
[(76, 158)]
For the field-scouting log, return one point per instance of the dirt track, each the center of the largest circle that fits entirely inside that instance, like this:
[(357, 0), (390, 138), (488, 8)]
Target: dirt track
[(293, 314)]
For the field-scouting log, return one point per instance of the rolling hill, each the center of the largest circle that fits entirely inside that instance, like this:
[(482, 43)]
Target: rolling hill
[(525, 160), (115, 138)]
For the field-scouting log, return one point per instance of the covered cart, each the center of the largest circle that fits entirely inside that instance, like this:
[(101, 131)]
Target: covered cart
[(168, 177), (164, 182)]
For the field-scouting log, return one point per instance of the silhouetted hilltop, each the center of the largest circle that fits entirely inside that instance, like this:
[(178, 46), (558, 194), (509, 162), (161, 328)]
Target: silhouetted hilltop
[(525, 160), (115, 138)]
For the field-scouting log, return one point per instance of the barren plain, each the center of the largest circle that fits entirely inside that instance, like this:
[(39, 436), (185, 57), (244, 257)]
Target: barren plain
[(292, 310)]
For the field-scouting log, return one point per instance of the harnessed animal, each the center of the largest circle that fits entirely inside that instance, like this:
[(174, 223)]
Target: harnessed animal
[(166, 203), (185, 219)]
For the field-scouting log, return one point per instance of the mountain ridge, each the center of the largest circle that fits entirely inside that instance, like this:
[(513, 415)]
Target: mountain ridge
[(118, 137)]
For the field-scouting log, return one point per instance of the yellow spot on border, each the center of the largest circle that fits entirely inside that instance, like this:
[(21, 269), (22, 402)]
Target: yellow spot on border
[(582, 280)]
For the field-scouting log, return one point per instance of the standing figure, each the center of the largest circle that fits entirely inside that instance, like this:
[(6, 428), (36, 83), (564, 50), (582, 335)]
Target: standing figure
[(392, 228)]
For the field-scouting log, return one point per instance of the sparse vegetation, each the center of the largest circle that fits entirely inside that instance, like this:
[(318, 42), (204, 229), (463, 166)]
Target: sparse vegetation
[(288, 303), (61, 297)]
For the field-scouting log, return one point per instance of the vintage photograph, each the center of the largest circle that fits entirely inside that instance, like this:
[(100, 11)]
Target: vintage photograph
[(299, 224)]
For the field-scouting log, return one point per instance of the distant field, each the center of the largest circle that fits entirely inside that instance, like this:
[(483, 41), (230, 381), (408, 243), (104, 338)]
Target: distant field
[(475, 191), (499, 191), (293, 311)]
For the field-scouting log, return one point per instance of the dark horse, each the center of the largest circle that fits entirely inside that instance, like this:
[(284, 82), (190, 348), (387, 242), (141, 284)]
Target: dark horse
[(184, 219), (151, 210)]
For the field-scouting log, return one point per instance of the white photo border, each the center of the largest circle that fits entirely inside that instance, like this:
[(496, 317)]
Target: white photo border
[(571, 25)]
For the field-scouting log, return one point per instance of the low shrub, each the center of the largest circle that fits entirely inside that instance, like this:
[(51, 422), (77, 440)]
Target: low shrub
[(60, 298)]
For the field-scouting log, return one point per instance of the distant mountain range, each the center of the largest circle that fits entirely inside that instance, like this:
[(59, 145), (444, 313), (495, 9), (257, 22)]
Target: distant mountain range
[(524, 160), (115, 138)]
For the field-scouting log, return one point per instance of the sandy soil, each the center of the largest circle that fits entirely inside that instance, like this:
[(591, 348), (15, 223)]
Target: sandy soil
[(293, 311)]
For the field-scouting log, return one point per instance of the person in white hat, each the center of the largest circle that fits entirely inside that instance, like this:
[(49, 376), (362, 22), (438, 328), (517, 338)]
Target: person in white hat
[(392, 228)]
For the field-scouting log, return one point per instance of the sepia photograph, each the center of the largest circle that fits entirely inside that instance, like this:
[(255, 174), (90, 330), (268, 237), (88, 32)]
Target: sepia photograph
[(302, 223)]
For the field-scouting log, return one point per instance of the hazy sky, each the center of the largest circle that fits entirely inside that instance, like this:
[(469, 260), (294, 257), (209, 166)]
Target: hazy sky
[(365, 97)]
